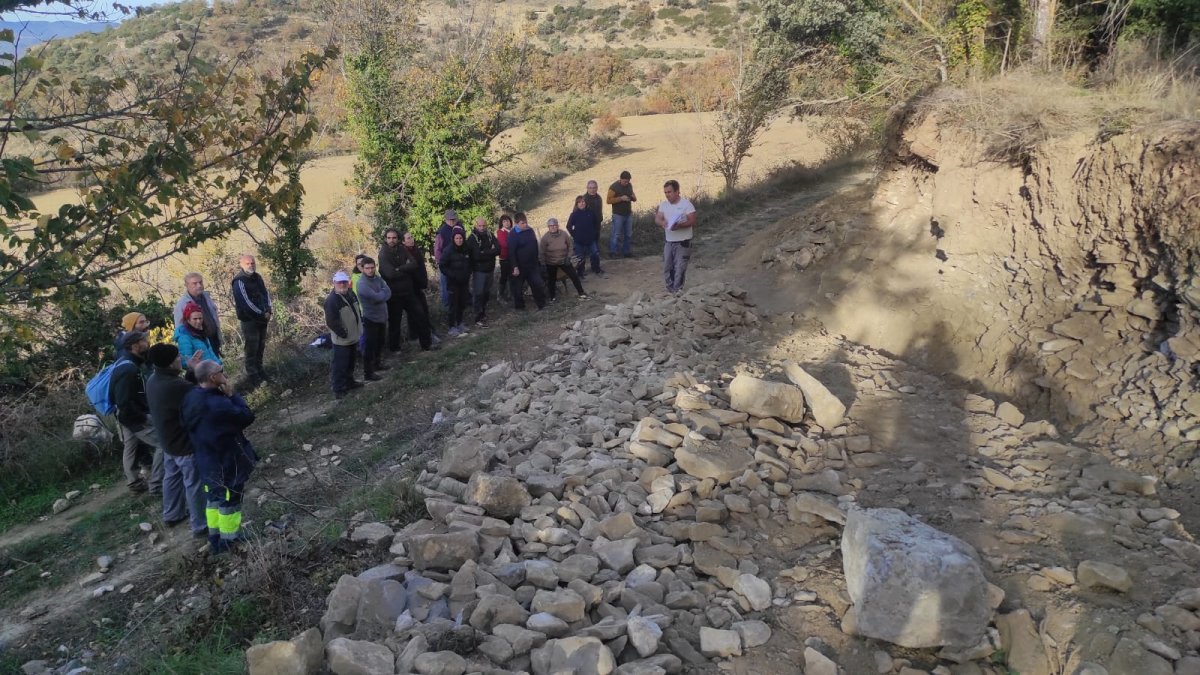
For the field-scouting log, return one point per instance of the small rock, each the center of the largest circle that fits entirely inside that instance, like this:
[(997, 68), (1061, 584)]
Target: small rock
[(1010, 415), (359, 657), (816, 663), (753, 633), (644, 635), (756, 591), (60, 505), (575, 655), (372, 533), (719, 643), (441, 663)]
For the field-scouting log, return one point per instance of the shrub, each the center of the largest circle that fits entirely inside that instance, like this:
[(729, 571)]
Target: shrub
[(558, 134)]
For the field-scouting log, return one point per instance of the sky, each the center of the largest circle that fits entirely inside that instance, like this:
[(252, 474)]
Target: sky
[(104, 6)]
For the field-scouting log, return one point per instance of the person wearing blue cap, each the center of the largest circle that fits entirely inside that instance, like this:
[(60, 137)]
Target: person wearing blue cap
[(344, 320)]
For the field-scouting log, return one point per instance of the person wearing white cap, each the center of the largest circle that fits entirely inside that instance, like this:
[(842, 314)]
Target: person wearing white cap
[(344, 320)]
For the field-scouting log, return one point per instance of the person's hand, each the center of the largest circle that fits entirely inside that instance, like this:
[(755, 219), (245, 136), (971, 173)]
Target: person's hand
[(516, 271), (195, 360), (227, 387), (268, 316)]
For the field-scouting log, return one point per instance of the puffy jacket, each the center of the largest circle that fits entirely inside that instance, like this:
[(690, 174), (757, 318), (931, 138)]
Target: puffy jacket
[(215, 424), (165, 392), (523, 248), (583, 226), (212, 321), (556, 248), (421, 276), (250, 297), (399, 269), (343, 318), (456, 263), (482, 248), (373, 294), (127, 387), (188, 344), (595, 204)]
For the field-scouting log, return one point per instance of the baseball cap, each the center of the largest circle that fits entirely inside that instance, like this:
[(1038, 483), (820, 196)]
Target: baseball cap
[(341, 275)]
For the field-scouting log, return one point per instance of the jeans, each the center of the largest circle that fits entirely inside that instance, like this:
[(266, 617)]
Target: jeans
[(481, 291), (341, 369), (255, 335), (552, 278), (675, 262), (585, 251), (532, 276), (445, 290), (129, 457), (621, 226), (374, 332), (183, 495)]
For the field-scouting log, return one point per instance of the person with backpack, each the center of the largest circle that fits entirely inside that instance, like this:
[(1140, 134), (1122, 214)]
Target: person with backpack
[(183, 497), (130, 323), (455, 265), (216, 417), (127, 391), (191, 336), (482, 248)]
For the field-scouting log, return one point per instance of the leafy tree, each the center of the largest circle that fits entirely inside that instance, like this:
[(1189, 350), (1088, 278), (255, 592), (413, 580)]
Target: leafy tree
[(760, 89), (287, 250), (170, 160), (424, 119)]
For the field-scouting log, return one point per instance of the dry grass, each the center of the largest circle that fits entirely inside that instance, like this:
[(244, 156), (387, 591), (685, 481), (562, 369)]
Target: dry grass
[(1020, 111)]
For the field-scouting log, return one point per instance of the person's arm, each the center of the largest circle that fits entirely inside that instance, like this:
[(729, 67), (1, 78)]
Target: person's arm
[(242, 297), (612, 197), (573, 222), (660, 218), (687, 221), (632, 194), (367, 293), (333, 316)]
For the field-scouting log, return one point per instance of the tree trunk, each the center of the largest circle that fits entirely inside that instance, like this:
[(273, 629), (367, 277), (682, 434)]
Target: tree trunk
[(1043, 12)]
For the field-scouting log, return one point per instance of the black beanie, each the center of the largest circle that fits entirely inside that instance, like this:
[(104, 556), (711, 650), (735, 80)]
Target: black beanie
[(162, 354)]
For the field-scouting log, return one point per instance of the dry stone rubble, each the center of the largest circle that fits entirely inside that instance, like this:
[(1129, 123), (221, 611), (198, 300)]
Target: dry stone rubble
[(646, 499)]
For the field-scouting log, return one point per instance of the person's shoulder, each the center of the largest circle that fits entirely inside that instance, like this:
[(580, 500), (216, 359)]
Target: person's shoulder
[(687, 203)]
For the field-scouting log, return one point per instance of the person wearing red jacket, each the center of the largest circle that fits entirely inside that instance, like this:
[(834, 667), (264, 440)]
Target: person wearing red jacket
[(502, 232)]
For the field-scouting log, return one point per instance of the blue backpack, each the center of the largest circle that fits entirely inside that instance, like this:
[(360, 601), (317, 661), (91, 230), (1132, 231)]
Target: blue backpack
[(99, 389)]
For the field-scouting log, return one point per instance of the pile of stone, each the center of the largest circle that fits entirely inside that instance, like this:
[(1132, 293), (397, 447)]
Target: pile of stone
[(598, 512), (802, 246)]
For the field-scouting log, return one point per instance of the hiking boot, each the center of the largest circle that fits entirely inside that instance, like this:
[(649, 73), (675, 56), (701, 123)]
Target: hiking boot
[(372, 377), (382, 367), (138, 486)]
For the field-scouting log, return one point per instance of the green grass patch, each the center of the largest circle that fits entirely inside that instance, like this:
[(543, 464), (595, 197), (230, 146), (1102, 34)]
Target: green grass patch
[(67, 554), (392, 499), (38, 500)]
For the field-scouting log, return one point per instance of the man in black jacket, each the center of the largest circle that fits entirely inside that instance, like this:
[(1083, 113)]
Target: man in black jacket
[(254, 312), (482, 248), (127, 389), (402, 271), (183, 498)]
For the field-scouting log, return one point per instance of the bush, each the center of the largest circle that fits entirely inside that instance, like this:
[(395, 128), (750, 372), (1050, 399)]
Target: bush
[(558, 134)]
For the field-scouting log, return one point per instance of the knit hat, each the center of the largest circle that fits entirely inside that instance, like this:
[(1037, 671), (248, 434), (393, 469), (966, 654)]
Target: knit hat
[(130, 320), (190, 309), (133, 337), (162, 354), (451, 214)]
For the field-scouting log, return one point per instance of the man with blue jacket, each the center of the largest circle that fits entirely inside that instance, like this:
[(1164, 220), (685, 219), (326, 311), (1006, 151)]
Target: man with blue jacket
[(215, 418), (253, 304), (523, 251)]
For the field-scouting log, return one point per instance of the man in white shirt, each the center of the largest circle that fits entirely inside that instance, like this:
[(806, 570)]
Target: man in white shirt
[(677, 217)]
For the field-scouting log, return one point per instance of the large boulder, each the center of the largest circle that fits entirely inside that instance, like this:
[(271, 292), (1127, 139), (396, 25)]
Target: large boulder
[(359, 657), (577, 655), (827, 410), (911, 584), (463, 458), (499, 496), (446, 551), (706, 459), (341, 608), (766, 399), (302, 655)]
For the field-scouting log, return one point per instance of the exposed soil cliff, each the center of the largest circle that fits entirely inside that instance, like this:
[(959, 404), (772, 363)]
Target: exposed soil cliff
[(1064, 277)]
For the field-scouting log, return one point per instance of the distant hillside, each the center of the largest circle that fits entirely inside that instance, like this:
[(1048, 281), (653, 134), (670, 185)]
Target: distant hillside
[(30, 33)]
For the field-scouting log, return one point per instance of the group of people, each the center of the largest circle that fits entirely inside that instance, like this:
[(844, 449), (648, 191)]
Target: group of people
[(177, 399)]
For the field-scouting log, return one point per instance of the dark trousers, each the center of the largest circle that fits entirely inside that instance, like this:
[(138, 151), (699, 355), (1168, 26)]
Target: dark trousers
[(341, 369), (255, 335), (417, 320), (505, 278), (459, 290), (585, 251), (481, 292), (375, 334), (531, 275), (552, 278), (395, 325), (412, 304)]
